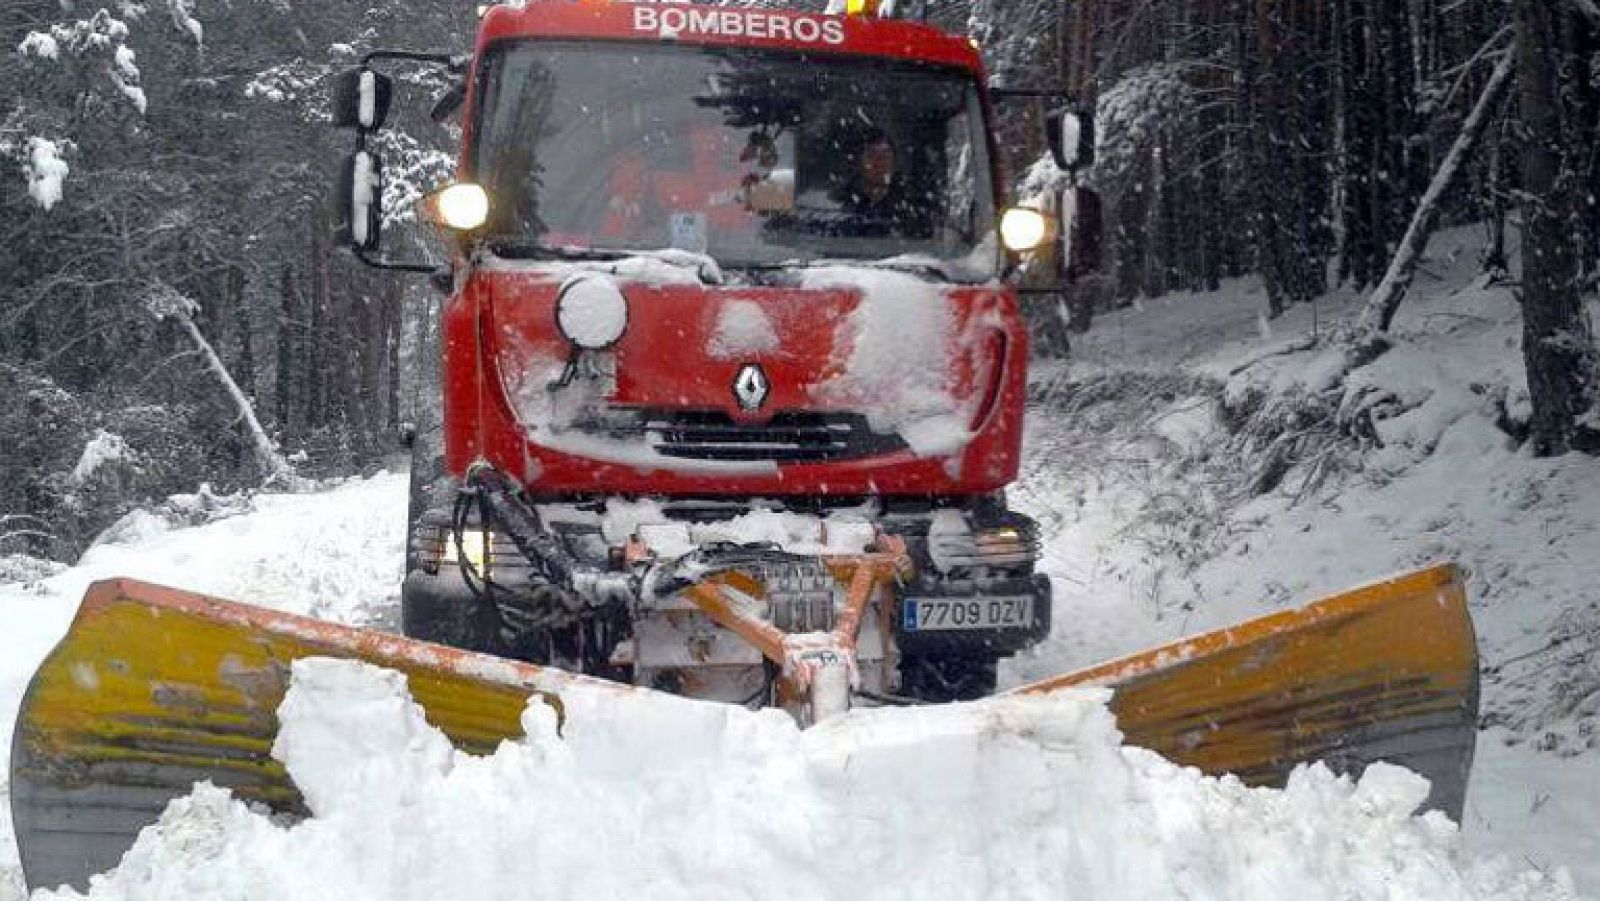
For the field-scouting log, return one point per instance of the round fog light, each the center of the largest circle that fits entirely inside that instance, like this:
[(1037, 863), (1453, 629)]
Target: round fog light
[(591, 311)]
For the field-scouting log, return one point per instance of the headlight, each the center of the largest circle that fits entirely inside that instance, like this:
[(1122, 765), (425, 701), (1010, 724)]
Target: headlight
[(1023, 229), (463, 206), (591, 311)]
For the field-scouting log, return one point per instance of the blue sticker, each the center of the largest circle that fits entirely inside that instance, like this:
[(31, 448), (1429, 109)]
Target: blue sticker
[(909, 621)]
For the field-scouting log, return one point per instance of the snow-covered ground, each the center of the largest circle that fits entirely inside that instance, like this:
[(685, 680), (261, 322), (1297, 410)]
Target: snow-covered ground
[(336, 555), (1155, 532), (645, 796), (1156, 526)]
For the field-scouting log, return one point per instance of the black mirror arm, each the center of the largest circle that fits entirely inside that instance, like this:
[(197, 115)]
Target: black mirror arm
[(1028, 93), (457, 64), (393, 266)]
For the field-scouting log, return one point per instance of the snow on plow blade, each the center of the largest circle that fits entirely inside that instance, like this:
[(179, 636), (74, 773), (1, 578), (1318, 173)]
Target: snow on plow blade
[(1385, 672), (153, 689)]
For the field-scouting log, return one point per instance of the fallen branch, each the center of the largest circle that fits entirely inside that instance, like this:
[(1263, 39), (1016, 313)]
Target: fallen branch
[(1380, 308), (166, 302)]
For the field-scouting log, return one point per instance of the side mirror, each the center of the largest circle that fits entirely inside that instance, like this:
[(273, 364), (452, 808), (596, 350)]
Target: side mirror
[(361, 99), (1071, 138), (360, 202), (449, 102)]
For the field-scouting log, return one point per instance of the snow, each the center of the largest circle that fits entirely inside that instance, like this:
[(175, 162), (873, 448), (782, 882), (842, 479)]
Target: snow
[(362, 182), (797, 533), (668, 266), (39, 44), (184, 20), (936, 436), (45, 171), (105, 447), (1148, 537), (894, 357), (125, 74), (1011, 798), (335, 555), (742, 330), (367, 111), (592, 311)]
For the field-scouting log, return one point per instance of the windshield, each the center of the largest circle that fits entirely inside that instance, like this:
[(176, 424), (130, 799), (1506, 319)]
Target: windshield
[(756, 158)]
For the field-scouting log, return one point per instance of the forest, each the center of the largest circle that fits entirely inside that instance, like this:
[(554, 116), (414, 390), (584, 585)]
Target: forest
[(174, 312)]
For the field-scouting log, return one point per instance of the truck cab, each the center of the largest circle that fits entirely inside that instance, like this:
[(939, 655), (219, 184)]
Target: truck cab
[(732, 298)]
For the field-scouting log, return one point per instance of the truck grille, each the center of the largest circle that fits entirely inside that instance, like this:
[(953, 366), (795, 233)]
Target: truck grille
[(788, 437)]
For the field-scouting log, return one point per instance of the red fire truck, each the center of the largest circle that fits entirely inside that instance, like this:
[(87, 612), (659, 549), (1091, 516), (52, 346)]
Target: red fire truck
[(732, 368)]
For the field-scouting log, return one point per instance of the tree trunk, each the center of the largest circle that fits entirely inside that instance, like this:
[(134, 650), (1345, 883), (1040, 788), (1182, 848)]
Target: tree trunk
[(242, 322), (1557, 345), (288, 331)]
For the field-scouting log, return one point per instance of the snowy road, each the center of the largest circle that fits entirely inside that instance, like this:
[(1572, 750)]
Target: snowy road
[(337, 555)]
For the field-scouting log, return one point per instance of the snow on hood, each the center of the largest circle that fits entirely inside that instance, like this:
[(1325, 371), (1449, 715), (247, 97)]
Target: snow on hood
[(668, 266), (894, 353), (650, 796), (742, 330)]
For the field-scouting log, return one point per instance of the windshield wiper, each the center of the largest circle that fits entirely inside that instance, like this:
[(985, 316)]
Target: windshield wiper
[(516, 249), (703, 266), (933, 270)]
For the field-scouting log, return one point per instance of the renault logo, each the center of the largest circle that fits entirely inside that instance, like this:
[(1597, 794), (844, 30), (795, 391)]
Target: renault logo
[(750, 387)]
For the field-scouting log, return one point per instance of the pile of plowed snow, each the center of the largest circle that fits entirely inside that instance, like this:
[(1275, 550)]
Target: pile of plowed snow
[(648, 796)]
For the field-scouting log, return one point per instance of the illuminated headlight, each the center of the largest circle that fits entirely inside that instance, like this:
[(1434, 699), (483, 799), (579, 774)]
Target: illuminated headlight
[(464, 206), (1023, 229), (591, 311)]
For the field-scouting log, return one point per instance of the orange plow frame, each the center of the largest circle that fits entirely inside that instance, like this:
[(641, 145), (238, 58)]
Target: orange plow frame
[(153, 689), (802, 685)]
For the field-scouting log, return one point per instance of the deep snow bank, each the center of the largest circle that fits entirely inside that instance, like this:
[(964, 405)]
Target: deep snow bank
[(336, 554), (663, 798)]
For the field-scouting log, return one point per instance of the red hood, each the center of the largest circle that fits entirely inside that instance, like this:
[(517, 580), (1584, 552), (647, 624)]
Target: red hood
[(930, 376)]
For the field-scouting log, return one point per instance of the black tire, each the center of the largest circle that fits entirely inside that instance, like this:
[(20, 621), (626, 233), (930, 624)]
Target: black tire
[(939, 680), (436, 608), (456, 621), (428, 487)]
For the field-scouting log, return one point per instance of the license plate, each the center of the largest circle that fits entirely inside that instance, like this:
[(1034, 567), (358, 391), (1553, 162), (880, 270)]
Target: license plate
[(954, 614)]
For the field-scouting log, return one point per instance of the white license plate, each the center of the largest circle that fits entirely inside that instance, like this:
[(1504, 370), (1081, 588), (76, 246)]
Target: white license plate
[(953, 614)]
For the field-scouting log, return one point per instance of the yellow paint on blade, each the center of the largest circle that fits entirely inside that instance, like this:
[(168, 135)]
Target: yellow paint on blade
[(1388, 671), (150, 679)]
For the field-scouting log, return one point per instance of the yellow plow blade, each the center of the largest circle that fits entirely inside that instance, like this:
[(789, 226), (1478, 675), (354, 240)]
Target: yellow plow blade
[(153, 689), (1386, 672)]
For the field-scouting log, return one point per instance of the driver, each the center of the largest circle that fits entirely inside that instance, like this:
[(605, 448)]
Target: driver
[(877, 197), (875, 194)]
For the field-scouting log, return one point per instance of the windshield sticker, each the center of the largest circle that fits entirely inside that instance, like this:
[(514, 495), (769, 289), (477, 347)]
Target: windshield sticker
[(689, 232), (672, 23)]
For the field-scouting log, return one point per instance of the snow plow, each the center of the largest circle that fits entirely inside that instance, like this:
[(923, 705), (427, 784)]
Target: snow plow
[(732, 373), (154, 689)]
